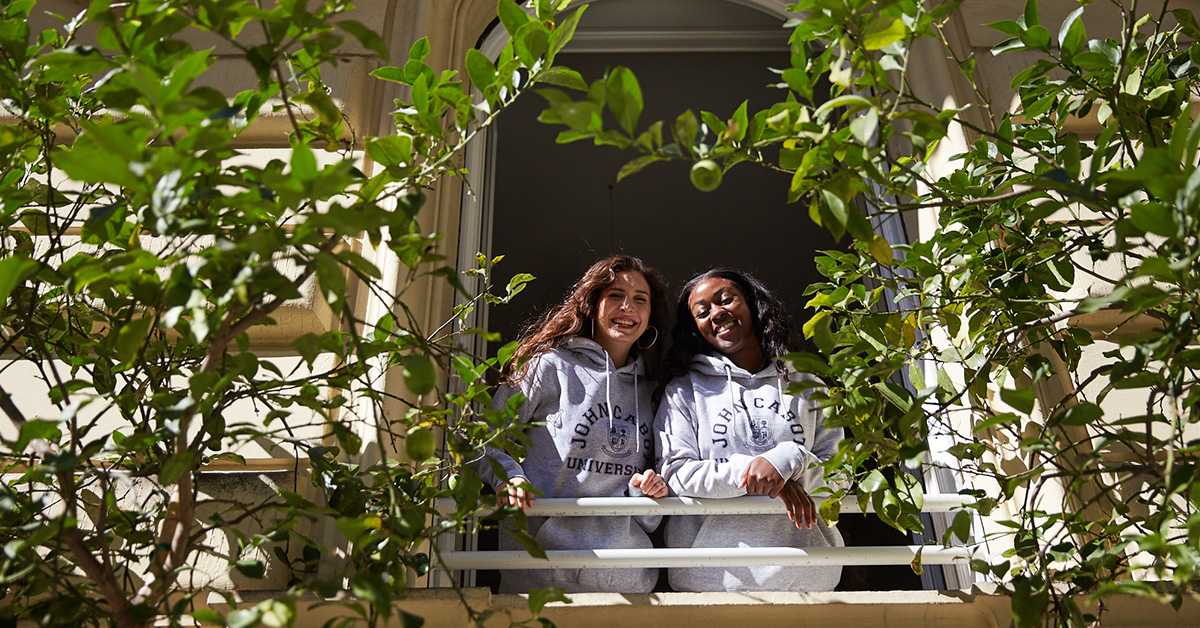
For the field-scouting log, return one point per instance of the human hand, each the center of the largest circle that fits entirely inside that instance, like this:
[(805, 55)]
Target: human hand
[(516, 492), (761, 478), (800, 507), (651, 483)]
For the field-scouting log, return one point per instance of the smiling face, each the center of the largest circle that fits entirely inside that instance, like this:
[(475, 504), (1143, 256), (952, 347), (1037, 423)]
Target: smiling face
[(622, 314), (722, 315)]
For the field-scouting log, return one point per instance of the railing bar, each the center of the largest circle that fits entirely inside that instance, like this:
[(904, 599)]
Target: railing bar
[(749, 505), (711, 557)]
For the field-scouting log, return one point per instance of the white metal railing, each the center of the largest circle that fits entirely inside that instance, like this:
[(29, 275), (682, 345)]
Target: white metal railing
[(703, 557)]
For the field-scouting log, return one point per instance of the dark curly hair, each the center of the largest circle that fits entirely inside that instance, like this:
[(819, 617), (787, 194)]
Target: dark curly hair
[(772, 323), (573, 315)]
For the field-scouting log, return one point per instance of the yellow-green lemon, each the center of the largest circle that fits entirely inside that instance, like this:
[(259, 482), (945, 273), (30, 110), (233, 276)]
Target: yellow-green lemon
[(420, 443), (420, 376), (706, 175)]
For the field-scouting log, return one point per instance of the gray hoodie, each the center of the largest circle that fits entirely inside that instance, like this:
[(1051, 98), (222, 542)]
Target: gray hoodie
[(580, 449), (712, 422)]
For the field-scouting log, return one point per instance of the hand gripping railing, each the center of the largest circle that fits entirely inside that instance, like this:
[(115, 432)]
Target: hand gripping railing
[(703, 557)]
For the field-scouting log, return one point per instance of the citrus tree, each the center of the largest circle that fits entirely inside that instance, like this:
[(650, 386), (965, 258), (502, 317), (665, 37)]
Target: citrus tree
[(140, 253), (1039, 227)]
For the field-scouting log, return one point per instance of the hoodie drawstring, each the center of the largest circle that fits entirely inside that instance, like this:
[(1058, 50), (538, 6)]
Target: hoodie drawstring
[(637, 435), (729, 387), (608, 389), (637, 417)]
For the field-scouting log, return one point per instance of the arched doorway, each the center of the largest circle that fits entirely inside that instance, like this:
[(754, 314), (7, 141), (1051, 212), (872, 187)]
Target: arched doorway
[(554, 209)]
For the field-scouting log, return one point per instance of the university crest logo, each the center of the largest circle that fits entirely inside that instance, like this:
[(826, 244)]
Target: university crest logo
[(619, 438), (760, 434)]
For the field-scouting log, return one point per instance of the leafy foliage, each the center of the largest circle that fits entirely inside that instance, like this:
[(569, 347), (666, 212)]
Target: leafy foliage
[(1040, 228), (139, 256)]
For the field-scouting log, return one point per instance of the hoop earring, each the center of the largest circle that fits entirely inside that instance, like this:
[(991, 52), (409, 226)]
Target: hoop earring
[(593, 329), (639, 344)]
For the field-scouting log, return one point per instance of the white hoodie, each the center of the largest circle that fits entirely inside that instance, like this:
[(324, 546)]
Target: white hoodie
[(712, 423), (581, 449)]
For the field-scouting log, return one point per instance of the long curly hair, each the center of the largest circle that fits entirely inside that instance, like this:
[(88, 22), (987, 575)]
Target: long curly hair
[(573, 316), (771, 321)]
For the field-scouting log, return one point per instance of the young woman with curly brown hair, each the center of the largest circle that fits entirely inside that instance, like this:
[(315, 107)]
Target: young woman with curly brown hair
[(586, 368)]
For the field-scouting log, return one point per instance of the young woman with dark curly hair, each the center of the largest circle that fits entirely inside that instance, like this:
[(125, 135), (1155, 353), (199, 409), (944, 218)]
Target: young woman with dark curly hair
[(726, 427), (586, 368)]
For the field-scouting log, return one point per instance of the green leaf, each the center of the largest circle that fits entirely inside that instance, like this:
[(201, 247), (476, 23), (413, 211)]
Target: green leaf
[(874, 482), (517, 283), (565, 31), (736, 127), (242, 618), (563, 77), (372, 588), (539, 598), (1008, 27), (830, 510), (882, 31), (1030, 16), (408, 620), (177, 465), (1021, 400), (961, 527), (1082, 413), (684, 130), (1037, 37), (863, 127), (304, 163), (624, 97), (1092, 61), (332, 280), (278, 612), (1028, 606), (636, 165), (1155, 218), (390, 73), (130, 337), (251, 568), (37, 428), (528, 542), (367, 37), (13, 271), (89, 163), (835, 214), (531, 42), (419, 50), (807, 363), (852, 103), (512, 16), (818, 329), (1187, 21), (1072, 34), (480, 69), (390, 150), (999, 419), (208, 616), (881, 250), (77, 60)]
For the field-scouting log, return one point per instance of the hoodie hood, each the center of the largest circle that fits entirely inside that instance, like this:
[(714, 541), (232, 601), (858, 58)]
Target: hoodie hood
[(588, 352), (719, 365)]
